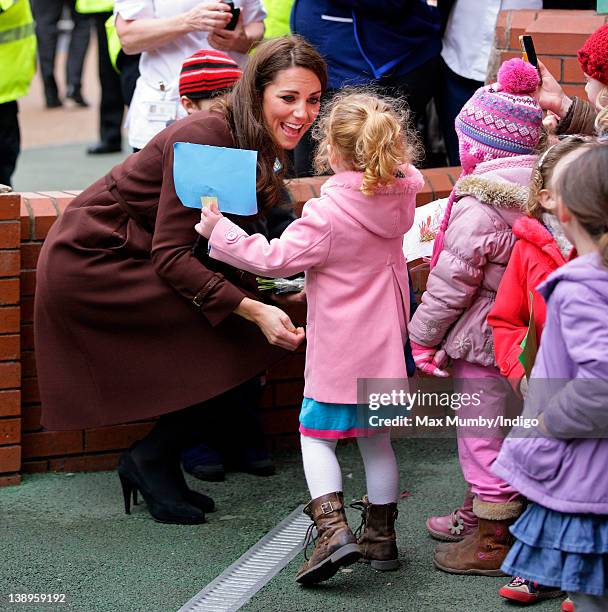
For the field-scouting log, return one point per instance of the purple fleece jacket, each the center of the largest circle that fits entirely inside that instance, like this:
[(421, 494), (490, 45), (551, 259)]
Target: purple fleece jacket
[(569, 386)]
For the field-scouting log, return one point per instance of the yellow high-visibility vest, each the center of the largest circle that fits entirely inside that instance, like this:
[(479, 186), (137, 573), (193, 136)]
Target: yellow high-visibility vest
[(277, 22), (17, 49), (94, 6), (6, 4), (114, 46)]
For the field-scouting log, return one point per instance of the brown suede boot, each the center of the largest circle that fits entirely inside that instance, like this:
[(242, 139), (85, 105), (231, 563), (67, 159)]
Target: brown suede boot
[(483, 551), (335, 545), (378, 542)]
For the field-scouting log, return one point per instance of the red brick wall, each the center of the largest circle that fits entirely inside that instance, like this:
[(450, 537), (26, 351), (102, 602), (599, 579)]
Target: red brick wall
[(557, 37), (10, 367), (24, 445)]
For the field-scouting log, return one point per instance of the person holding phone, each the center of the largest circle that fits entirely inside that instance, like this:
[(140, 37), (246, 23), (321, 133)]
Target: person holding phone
[(467, 44), (165, 32)]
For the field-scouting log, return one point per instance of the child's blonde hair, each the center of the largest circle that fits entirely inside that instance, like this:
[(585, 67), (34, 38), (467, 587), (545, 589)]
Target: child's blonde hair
[(583, 188), (601, 121), (543, 170), (368, 133)]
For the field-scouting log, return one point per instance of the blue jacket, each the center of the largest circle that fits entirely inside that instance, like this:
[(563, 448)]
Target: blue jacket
[(365, 40)]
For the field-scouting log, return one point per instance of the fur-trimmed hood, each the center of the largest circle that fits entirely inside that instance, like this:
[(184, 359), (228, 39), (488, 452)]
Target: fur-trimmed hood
[(493, 192), (502, 183)]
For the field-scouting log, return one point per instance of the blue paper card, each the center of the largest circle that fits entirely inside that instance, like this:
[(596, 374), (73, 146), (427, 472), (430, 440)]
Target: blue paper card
[(203, 171)]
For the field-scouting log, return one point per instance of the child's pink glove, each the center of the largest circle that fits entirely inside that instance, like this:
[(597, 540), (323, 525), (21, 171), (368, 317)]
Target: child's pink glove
[(429, 359)]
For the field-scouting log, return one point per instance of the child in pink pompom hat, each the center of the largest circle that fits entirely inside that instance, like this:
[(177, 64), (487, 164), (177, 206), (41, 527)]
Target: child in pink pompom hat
[(499, 131)]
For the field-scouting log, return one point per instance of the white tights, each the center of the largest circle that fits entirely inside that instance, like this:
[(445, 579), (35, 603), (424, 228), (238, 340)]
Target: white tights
[(323, 473)]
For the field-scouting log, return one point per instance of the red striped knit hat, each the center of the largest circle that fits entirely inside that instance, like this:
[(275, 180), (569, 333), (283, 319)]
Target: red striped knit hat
[(206, 73)]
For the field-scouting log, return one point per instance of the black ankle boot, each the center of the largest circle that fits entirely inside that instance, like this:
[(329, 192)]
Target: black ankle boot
[(161, 494)]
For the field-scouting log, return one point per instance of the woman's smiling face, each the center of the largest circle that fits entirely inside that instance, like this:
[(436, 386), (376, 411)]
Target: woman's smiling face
[(291, 103)]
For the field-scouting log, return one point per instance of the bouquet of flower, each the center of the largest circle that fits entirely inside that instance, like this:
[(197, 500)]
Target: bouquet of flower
[(281, 285)]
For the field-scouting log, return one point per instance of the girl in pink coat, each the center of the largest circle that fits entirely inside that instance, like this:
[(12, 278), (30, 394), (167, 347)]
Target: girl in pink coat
[(349, 242)]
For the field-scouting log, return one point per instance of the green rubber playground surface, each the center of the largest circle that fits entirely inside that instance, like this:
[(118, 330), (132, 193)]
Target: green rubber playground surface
[(68, 534)]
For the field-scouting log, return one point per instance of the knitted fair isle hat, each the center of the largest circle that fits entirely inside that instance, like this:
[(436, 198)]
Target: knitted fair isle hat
[(206, 73), (593, 55), (501, 120)]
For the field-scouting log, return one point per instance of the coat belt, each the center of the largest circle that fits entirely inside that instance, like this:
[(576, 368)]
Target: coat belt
[(131, 211)]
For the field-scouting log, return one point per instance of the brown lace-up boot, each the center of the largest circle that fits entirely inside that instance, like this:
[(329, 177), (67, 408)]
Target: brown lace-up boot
[(378, 543), (483, 551), (335, 545)]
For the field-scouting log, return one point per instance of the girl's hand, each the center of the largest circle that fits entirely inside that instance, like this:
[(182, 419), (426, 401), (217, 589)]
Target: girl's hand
[(550, 94), (541, 425), (429, 359), (209, 218), (523, 387), (289, 298)]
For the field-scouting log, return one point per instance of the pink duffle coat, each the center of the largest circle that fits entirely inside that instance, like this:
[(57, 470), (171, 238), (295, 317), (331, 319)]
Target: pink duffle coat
[(350, 246)]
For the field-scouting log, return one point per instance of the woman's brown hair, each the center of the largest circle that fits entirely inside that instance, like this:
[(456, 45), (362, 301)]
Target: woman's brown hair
[(583, 188), (244, 108), (543, 171), (369, 133)]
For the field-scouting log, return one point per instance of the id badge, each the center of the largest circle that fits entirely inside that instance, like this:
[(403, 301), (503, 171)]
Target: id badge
[(160, 110)]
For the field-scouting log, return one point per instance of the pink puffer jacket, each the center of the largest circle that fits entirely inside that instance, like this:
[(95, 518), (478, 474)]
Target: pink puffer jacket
[(461, 288)]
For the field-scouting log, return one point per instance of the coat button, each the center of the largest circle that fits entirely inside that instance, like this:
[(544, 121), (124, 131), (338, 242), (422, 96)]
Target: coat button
[(230, 235)]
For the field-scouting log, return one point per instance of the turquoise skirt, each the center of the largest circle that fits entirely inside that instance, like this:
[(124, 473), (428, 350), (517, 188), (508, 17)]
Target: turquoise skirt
[(569, 551), (335, 421)]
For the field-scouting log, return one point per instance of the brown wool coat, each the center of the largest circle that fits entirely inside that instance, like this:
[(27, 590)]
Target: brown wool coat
[(118, 335)]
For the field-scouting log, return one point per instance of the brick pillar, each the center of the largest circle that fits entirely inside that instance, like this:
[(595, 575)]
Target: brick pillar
[(10, 366)]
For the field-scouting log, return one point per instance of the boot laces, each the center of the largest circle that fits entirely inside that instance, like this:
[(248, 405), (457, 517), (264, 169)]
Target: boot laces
[(308, 538), (362, 506)]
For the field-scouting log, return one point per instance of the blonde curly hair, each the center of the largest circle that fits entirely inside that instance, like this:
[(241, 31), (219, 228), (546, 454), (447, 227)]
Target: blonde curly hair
[(369, 133)]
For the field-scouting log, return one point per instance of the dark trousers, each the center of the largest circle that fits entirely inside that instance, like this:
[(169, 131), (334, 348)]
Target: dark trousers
[(10, 140), (47, 14), (452, 94), (417, 87), (129, 73), (112, 104)]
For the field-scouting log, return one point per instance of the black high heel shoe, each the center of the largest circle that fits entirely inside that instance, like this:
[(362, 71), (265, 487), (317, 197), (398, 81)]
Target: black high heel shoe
[(167, 511), (199, 500)]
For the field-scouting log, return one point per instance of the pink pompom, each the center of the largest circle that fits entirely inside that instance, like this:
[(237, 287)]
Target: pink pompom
[(518, 77)]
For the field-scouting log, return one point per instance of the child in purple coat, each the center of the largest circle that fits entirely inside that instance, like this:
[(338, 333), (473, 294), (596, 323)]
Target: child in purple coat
[(559, 463)]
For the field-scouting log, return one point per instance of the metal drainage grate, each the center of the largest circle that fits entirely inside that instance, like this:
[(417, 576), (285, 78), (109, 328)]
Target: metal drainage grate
[(235, 586)]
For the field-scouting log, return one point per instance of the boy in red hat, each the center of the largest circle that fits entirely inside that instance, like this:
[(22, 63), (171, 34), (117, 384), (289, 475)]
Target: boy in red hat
[(206, 75)]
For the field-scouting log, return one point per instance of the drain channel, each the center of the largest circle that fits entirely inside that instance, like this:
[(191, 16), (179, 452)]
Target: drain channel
[(236, 585)]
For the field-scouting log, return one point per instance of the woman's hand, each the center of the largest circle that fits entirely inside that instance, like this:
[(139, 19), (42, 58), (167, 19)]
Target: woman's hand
[(274, 323), (208, 16), (209, 219), (550, 94)]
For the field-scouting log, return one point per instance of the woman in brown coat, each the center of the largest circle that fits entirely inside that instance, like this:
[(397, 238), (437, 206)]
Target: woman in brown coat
[(131, 321)]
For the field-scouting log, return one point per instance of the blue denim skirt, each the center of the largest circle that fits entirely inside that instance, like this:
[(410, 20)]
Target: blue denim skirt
[(569, 551)]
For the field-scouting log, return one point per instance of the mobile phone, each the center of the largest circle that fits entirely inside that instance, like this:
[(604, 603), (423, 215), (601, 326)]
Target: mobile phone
[(235, 15), (529, 52)]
